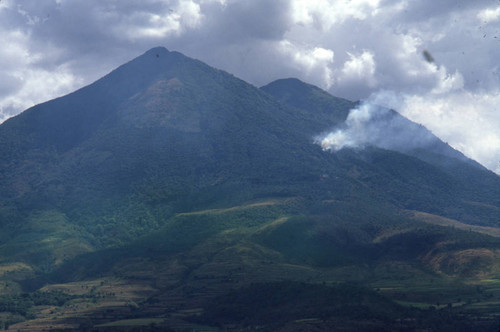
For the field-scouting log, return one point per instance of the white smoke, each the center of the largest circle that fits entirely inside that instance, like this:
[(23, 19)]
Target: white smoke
[(374, 124)]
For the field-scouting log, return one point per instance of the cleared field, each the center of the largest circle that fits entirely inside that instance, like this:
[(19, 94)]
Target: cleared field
[(239, 208), (442, 221)]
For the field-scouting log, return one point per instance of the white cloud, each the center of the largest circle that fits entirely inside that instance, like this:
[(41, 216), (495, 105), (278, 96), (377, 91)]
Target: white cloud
[(185, 14), (446, 82), (24, 83), (467, 121), (313, 61), (325, 14), (55, 83), (359, 68), (489, 15)]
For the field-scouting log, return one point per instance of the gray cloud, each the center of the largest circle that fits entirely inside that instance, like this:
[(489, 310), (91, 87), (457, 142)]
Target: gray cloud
[(353, 49), (243, 21)]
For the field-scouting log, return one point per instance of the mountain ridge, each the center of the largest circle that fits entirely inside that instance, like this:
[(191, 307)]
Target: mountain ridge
[(296, 93)]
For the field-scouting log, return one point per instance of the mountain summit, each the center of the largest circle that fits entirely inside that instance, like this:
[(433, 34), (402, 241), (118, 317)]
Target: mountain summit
[(194, 189)]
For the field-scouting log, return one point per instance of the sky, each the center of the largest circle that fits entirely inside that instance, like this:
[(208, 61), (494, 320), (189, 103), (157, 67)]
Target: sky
[(439, 60)]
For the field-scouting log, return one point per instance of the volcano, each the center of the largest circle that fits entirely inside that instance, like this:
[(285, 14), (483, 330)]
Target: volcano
[(172, 195)]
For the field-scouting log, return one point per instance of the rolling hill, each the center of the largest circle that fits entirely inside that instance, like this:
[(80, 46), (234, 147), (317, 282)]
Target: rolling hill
[(167, 190)]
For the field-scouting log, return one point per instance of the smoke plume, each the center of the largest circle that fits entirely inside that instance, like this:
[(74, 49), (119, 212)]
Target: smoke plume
[(370, 124)]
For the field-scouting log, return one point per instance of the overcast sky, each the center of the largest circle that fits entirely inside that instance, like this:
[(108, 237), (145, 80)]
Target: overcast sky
[(352, 48)]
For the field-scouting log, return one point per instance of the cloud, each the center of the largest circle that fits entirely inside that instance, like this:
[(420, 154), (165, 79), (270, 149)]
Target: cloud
[(325, 14), (313, 62), (446, 82), (168, 20), (24, 82), (359, 69), (352, 48), (489, 15), (466, 120)]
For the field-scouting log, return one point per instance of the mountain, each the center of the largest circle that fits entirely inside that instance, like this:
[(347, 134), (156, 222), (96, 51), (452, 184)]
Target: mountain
[(170, 194), (417, 140)]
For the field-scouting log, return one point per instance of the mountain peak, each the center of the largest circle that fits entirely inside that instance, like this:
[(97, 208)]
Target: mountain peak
[(325, 108), (158, 50), (290, 82), (67, 120), (290, 86)]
